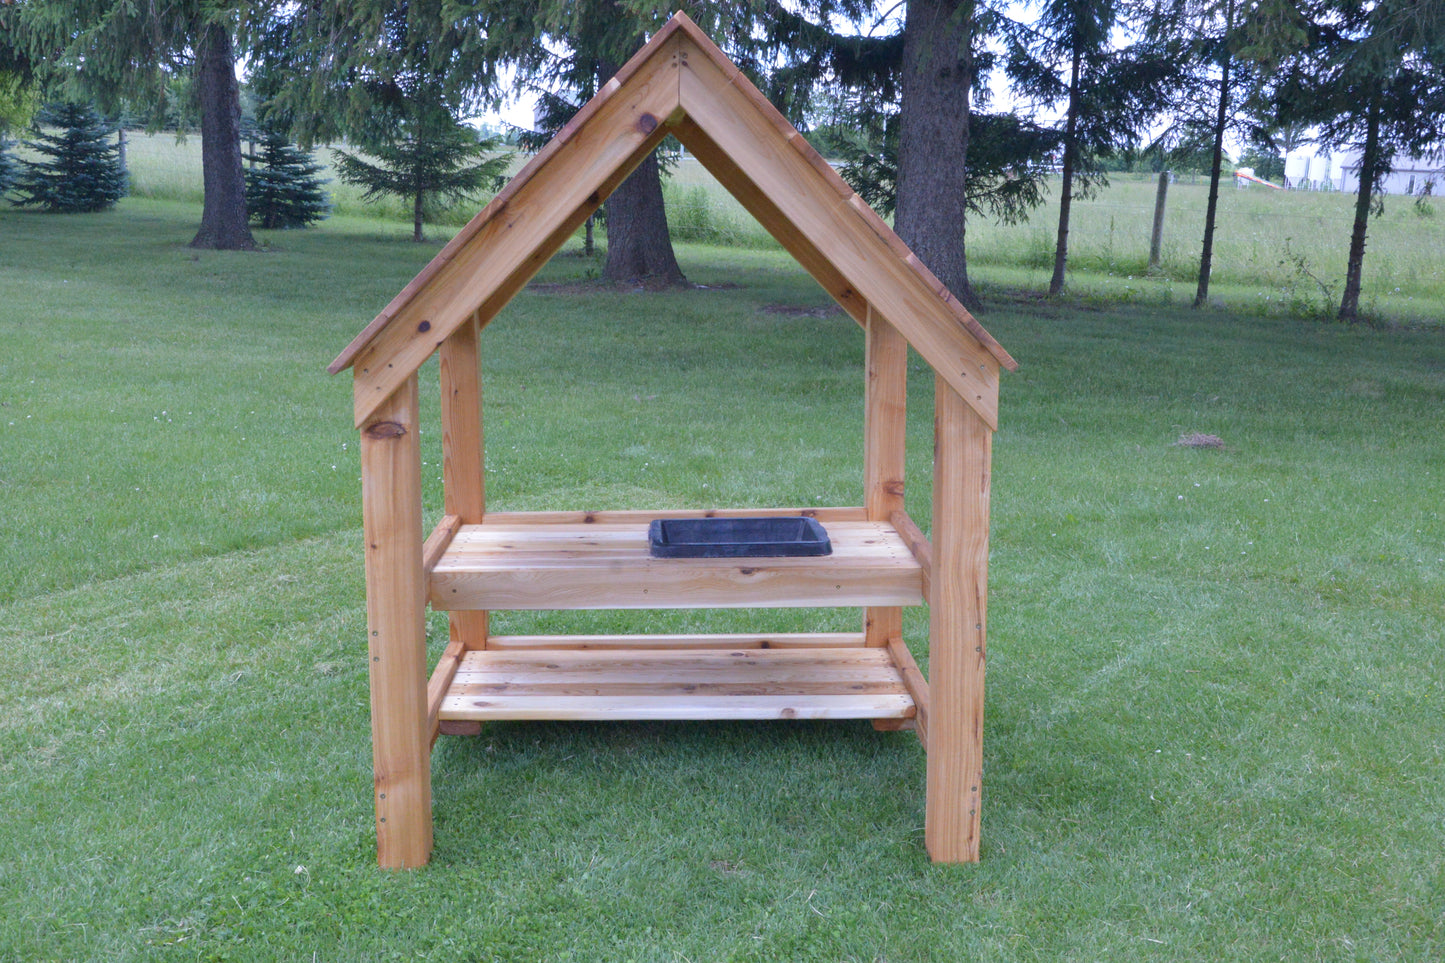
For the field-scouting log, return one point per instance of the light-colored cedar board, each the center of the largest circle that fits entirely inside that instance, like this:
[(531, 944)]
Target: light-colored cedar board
[(492, 546), (462, 692), (539, 162), (914, 681), (439, 541), (694, 707), (789, 640), (518, 236), (837, 667), (463, 453), (851, 654), (747, 135), (643, 516), (396, 623), (717, 162), (463, 461), (885, 432), (918, 544), (440, 682), (601, 565), (895, 243), (957, 609)]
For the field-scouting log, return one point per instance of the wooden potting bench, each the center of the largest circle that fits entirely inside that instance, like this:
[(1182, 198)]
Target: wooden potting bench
[(476, 561)]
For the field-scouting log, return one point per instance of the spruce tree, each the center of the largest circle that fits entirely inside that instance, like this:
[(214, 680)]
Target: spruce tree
[(83, 171), (284, 191), (9, 169), (432, 160)]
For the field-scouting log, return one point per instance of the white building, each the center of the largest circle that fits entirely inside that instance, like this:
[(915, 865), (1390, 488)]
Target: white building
[(1313, 169)]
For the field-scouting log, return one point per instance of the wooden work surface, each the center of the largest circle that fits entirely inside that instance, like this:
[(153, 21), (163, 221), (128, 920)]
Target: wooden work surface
[(846, 683), (595, 561)]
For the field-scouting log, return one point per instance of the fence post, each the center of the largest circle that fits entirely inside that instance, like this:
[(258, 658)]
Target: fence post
[(1157, 237)]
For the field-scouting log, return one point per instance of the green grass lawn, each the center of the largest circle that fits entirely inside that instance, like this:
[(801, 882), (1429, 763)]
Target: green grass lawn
[(1214, 726)]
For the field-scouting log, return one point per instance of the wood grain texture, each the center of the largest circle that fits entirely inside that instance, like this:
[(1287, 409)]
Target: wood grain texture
[(914, 681), (438, 541), (396, 629), (807, 683), (463, 462), (963, 445), (440, 682), (643, 516), (530, 565), (885, 430), (463, 453), (918, 544), (734, 641)]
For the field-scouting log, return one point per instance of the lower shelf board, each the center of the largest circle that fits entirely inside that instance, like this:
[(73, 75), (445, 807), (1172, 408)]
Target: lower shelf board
[(842, 683)]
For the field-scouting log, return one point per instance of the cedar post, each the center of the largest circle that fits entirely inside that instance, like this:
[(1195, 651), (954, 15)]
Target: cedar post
[(463, 459), (396, 629), (885, 424), (962, 453)]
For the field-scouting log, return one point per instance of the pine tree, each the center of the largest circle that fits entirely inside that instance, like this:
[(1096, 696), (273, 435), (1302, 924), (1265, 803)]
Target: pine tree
[(83, 173), (9, 169), (433, 158), (284, 191)]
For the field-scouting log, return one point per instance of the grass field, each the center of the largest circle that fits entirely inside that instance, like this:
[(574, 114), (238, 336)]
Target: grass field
[(1216, 675), (1277, 253)]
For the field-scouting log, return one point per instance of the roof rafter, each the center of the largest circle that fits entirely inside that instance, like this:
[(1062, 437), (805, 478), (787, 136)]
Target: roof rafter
[(681, 83)]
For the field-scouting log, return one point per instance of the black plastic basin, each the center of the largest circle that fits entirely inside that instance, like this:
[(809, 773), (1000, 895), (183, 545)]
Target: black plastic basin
[(788, 536)]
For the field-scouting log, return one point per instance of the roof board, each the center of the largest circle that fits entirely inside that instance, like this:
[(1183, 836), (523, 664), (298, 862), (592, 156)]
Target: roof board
[(678, 83)]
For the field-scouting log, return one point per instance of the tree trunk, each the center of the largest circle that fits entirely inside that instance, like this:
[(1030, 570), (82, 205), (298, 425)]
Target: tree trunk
[(932, 196), (1369, 173), (1066, 189), (418, 204), (639, 248), (1216, 166), (223, 215)]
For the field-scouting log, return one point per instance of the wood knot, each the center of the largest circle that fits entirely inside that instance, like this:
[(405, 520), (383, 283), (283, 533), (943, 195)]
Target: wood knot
[(385, 429), (647, 123), (424, 327)]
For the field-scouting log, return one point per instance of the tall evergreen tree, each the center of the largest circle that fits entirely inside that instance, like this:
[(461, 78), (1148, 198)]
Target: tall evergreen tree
[(282, 188), (933, 134), (574, 48), (82, 173), (113, 48), (1370, 79), (1067, 55), (920, 75), (1212, 96)]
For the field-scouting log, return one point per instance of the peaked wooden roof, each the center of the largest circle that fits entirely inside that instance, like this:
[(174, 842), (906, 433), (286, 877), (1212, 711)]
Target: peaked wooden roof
[(679, 83)]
